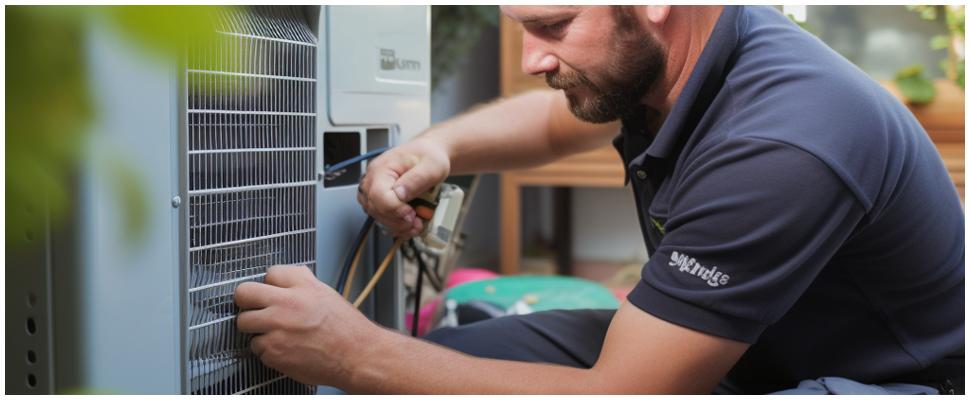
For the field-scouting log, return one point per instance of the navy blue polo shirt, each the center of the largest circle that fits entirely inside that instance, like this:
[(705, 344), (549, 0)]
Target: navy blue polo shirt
[(790, 202)]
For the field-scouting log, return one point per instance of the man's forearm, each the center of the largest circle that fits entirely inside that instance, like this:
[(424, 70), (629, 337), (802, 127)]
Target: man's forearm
[(522, 131), (397, 364)]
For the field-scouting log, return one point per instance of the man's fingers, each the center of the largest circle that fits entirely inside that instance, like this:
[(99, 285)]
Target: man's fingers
[(256, 321), (255, 295), (380, 202), (389, 211), (258, 346), (379, 193), (416, 180), (392, 180), (285, 276)]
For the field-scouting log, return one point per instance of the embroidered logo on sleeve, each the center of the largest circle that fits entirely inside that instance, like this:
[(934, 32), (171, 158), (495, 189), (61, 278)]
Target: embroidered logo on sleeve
[(689, 265)]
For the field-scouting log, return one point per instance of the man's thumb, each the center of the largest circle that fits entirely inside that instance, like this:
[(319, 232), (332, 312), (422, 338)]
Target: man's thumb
[(415, 181)]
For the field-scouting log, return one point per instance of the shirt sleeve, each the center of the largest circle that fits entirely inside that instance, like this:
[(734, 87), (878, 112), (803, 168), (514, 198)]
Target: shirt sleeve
[(750, 225)]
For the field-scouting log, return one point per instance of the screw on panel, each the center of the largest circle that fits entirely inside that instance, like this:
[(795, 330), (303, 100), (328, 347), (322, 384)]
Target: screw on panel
[(176, 202)]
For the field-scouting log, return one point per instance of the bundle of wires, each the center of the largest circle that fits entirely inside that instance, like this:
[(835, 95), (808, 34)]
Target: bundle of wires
[(344, 281), (417, 295), (352, 258), (423, 271), (353, 253)]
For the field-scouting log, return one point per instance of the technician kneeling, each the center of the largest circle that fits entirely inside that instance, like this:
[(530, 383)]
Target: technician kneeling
[(800, 223)]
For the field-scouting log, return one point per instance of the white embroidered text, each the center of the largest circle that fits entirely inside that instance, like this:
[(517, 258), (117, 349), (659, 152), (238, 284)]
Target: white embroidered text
[(688, 264)]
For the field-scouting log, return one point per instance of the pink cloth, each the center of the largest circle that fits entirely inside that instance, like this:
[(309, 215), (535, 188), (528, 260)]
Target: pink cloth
[(465, 275)]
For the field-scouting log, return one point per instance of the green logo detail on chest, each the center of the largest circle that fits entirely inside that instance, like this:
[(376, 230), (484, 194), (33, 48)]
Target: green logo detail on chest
[(658, 225)]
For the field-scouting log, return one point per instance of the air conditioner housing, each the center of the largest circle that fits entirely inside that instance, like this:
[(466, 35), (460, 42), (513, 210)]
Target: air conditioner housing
[(230, 162)]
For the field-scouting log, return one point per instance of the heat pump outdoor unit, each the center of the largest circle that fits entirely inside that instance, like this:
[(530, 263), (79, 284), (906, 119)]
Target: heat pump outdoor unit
[(231, 161)]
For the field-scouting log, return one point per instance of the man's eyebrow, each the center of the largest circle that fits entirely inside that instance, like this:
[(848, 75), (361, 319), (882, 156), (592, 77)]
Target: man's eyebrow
[(529, 19), (533, 18)]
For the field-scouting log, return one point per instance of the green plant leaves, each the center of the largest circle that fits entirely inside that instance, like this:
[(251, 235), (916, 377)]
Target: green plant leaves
[(804, 25), (925, 12), (127, 187), (939, 42), (49, 107), (914, 86), (954, 16), (165, 28), (956, 19), (454, 30), (960, 74)]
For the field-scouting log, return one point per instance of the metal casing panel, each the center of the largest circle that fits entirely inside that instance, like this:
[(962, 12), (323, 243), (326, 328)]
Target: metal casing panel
[(129, 284), (359, 95), (338, 214), (380, 62), (250, 123), (29, 366)]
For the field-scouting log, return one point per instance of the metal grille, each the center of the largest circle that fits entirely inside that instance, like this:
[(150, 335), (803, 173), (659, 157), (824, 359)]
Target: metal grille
[(250, 122)]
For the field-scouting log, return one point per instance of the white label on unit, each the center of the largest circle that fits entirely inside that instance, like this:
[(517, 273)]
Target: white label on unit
[(379, 64)]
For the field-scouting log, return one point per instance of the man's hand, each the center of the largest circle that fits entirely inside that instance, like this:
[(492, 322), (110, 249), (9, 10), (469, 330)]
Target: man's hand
[(398, 176), (305, 329)]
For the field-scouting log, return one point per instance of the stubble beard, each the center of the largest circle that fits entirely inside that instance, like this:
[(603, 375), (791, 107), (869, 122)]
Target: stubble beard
[(636, 63)]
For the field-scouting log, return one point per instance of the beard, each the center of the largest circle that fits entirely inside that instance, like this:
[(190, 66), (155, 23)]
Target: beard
[(635, 64)]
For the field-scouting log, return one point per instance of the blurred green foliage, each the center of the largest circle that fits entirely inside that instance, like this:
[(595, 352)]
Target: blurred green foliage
[(914, 86), (48, 106), (803, 25), (454, 30), (49, 109), (910, 80)]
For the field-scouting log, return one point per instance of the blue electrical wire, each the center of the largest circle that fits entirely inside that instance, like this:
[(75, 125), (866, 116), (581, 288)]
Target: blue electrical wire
[(340, 166), (368, 223), (349, 258)]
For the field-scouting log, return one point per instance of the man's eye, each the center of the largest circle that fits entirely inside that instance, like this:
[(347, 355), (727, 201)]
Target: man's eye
[(555, 27)]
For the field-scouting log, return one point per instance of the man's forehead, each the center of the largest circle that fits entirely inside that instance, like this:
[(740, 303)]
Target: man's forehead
[(525, 14)]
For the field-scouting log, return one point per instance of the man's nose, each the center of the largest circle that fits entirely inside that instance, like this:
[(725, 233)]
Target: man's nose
[(535, 59)]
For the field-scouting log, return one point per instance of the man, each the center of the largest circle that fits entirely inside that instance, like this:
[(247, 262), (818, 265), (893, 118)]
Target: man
[(799, 221)]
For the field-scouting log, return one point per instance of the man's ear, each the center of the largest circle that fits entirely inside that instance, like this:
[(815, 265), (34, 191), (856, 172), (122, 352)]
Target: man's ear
[(657, 15)]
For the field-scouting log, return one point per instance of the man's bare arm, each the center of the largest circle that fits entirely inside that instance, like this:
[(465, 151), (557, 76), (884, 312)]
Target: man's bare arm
[(521, 131), (641, 354), (527, 130)]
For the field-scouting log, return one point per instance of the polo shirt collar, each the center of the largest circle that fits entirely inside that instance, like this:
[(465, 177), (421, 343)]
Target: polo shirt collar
[(704, 83)]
